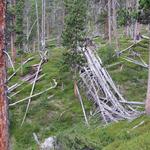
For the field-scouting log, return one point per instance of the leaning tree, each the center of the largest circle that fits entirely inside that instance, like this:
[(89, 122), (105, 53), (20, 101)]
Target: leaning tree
[(4, 137)]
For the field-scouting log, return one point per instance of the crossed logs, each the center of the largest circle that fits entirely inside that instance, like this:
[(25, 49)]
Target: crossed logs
[(101, 89)]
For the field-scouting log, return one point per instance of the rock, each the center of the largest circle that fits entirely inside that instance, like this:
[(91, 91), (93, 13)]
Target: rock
[(49, 144)]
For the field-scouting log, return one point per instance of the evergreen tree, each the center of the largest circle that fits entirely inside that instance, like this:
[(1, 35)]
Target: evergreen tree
[(74, 32), (75, 21), (19, 22), (144, 14)]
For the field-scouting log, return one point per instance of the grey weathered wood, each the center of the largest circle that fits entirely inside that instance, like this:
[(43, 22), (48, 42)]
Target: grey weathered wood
[(102, 90), (37, 94)]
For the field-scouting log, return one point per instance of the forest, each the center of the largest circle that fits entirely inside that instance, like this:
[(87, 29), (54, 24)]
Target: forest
[(74, 74)]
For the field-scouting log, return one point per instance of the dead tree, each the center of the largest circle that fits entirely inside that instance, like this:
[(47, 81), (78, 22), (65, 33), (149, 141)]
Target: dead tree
[(13, 34), (109, 21), (114, 18), (101, 89), (38, 27), (4, 136), (43, 25)]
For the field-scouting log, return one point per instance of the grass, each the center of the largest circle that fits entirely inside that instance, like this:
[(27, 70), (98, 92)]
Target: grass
[(44, 116), (120, 136), (62, 116)]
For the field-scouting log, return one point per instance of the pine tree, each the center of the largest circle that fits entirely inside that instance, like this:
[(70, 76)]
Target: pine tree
[(19, 22), (75, 21)]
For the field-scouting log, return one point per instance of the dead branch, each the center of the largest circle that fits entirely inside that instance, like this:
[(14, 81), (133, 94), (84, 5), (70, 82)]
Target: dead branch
[(10, 60), (135, 62), (141, 123), (82, 105), (36, 138), (35, 95), (29, 59), (32, 90), (133, 103)]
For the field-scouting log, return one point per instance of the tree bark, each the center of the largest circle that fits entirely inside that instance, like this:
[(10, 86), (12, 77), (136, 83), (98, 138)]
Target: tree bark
[(109, 21), (115, 24), (147, 104), (43, 25), (136, 28), (38, 27), (13, 35), (4, 136), (106, 24)]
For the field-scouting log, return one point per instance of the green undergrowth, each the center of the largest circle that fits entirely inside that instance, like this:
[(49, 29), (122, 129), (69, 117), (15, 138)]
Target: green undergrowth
[(46, 117), (115, 136), (61, 115)]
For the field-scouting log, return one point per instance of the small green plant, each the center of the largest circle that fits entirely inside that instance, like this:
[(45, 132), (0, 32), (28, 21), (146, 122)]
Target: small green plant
[(107, 54)]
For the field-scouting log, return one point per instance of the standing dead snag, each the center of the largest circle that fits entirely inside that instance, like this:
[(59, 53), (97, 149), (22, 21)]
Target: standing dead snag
[(4, 137)]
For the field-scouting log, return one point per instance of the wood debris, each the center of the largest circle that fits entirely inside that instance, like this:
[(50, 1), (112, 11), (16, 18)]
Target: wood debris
[(101, 89)]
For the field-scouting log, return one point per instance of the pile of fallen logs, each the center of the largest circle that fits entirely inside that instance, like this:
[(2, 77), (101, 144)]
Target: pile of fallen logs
[(100, 88)]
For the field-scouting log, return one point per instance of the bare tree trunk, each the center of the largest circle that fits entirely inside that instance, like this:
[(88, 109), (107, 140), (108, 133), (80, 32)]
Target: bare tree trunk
[(38, 27), (4, 136), (106, 24), (109, 21), (47, 28), (43, 25), (27, 33), (136, 29), (115, 24), (147, 104), (127, 25), (13, 35)]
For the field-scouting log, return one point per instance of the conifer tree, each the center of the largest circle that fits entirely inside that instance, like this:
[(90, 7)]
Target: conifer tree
[(75, 22), (74, 32)]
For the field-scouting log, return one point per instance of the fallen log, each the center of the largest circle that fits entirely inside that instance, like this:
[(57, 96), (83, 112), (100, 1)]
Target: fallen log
[(29, 59), (32, 90), (133, 103), (135, 62), (35, 95), (102, 90)]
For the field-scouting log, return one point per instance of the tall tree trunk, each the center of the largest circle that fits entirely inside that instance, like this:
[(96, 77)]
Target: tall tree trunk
[(13, 35), (147, 104), (27, 33), (43, 25), (127, 28), (47, 28), (137, 25), (38, 27), (109, 20), (115, 24), (4, 136), (106, 25)]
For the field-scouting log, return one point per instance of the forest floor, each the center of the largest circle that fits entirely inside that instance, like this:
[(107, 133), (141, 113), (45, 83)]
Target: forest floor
[(61, 115)]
